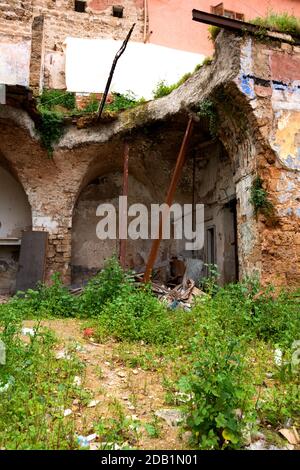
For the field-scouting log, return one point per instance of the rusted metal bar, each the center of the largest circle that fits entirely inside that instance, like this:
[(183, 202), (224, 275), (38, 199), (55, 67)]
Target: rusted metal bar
[(234, 25), (169, 197), (123, 218), (224, 22), (112, 70)]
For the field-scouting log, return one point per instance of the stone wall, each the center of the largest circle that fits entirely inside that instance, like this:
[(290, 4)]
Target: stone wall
[(257, 129)]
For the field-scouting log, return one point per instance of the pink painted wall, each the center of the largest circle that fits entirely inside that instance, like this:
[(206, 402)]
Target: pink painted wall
[(172, 25)]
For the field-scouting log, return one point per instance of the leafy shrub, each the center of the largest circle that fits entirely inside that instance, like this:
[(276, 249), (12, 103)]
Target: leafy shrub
[(163, 89), (50, 99), (121, 102), (45, 301), (112, 282), (220, 394), (134, 317), (253, 311)]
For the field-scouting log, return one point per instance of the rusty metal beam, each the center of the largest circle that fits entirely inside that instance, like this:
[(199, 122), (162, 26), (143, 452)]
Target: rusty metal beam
[(223, 22), (169, 197), (233, 25), (123, 218)]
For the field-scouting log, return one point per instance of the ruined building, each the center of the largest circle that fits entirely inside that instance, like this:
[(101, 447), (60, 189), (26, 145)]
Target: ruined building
[(246, 143)]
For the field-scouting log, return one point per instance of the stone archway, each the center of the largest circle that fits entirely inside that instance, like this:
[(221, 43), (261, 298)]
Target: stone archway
[(15, 216)]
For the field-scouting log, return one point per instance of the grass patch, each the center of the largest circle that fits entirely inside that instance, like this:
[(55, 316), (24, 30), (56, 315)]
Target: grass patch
[(35, 389), (283, 23), (216, 361), (164, 89)]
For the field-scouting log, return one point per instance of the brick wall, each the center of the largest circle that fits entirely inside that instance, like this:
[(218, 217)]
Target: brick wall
[(61, 21)]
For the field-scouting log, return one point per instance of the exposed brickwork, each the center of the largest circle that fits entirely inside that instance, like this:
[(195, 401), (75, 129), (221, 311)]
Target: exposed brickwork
[(37, 48), (61, 21)]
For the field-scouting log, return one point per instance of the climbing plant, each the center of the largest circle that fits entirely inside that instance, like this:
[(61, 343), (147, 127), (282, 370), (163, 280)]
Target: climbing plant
[(50, 128), (259, 199), (208, 110)]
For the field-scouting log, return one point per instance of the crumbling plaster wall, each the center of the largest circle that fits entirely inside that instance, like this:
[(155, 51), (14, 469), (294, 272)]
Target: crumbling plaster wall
[(270, 77), (251, 109), (152, 160), (60, 21)]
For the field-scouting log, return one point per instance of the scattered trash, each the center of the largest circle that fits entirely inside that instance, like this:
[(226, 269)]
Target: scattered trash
[(278, 357), (68, 412), (121, 374), (182, 397), (77, 380), (171, 416), (93, 403), (62, 355), (2, 353), (85, 441), (28, 331), (9, 383), (180, 296), (291, 435), (88, 333), (261, 444)]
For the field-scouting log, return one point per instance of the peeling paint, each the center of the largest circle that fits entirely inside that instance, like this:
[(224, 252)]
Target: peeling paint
[(286, 139)]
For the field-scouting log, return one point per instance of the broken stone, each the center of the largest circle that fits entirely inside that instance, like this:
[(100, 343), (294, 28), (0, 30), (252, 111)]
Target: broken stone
[(171, 416), (77, 380), (121, 374), (186, 437), (93, 403), (62, 355)]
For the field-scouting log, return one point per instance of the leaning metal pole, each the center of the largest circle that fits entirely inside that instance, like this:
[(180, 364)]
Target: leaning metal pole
[(123, 216), (111, 73), (169, 197)]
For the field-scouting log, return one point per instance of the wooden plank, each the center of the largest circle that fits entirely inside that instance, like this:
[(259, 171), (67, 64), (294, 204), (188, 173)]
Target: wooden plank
[(32, 260)]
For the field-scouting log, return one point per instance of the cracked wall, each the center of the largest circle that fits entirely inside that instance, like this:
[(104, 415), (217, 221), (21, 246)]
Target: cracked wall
[(254, 131)]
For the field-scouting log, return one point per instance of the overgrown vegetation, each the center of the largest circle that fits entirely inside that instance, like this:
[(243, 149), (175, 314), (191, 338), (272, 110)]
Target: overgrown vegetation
[(259, 199), (283, 22), (164, 89), (35, 390), (207, 109), (218, 360), (56, 105), (213, 32)]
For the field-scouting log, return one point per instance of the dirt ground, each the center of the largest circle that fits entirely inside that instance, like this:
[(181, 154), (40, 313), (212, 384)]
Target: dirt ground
[(139, 392)]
